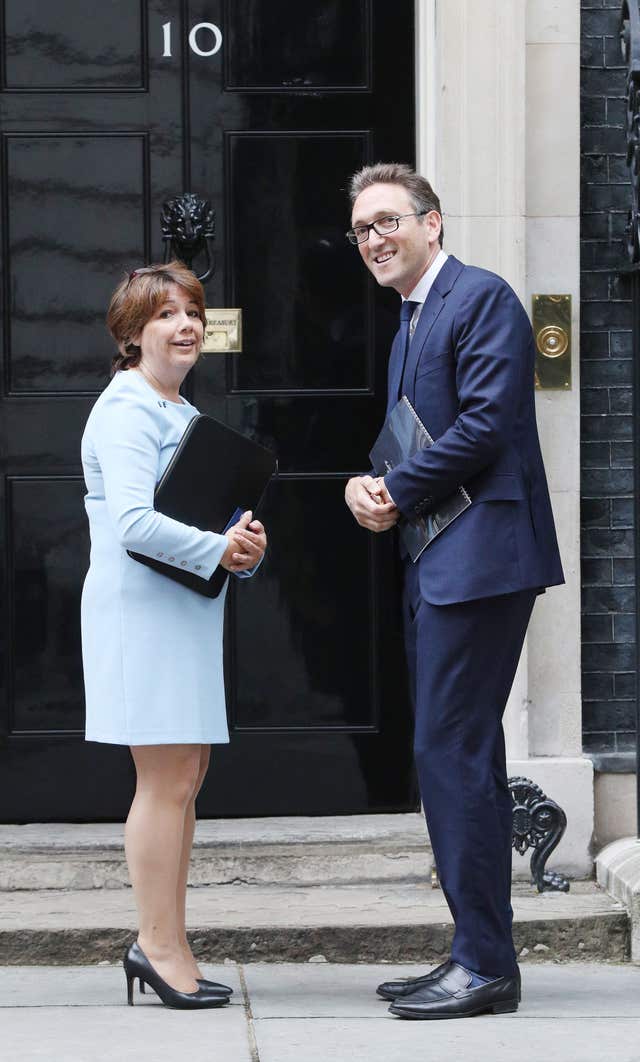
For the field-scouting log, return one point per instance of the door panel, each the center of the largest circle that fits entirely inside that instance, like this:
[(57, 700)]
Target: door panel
[(291, 614), (305, 329), (101, 124), (64, 249), (57, 47), (279, 45), (47, 530)]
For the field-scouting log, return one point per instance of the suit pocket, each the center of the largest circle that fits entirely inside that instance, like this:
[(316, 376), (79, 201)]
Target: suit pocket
[(501, 486), (431, 363)]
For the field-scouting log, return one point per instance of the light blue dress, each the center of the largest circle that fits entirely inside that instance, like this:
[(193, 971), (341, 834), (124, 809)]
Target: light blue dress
[(151, 648)]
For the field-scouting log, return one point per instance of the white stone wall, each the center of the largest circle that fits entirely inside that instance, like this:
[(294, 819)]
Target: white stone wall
[(552, 227)]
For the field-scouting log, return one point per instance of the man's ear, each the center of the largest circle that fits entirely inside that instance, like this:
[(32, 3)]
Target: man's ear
[(433, 221)]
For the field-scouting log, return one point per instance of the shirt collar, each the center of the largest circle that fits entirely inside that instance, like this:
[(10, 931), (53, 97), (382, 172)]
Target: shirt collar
[(424, 285)]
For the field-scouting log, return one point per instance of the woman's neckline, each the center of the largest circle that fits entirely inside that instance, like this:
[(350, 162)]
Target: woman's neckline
[(154, 390)]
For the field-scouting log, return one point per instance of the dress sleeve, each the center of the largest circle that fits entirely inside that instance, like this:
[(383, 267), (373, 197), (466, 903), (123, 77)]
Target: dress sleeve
[(127, 440)]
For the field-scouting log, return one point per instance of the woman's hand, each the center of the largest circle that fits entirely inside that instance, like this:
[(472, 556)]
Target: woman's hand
[(247, 544)]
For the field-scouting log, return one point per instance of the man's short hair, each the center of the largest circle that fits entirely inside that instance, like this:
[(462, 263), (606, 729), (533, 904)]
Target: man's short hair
[(420, 191)]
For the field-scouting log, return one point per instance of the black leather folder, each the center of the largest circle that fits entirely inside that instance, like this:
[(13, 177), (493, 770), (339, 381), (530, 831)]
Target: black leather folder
[(214, 471), (402, 436)]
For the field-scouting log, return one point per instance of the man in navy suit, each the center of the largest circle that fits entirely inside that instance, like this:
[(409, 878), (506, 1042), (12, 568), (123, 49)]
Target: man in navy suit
[(464, 357)]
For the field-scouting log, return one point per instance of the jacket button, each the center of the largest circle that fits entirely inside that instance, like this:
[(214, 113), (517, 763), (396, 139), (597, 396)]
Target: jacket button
[(198, 567), (183, 564), (159, 554), (172, 558)]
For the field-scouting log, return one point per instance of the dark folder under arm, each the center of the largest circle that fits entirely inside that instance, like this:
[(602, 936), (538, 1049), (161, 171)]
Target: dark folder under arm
[(402, 436), (214, 471)]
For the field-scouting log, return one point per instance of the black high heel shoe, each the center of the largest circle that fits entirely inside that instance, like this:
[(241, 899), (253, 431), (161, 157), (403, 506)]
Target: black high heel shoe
[(213, 986), (210, 986), (136, 964)]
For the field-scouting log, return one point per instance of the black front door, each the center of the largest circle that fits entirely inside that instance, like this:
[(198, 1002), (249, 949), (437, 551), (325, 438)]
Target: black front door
[(264, 108)]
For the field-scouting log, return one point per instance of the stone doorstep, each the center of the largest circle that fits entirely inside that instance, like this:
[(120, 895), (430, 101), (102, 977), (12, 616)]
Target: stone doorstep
[(618, 871), (304, 867), (328, 850), (365, 923), (331, 850)]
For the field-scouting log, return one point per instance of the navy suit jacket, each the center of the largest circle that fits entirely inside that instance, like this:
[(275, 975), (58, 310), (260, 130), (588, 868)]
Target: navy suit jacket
[(470, 376)]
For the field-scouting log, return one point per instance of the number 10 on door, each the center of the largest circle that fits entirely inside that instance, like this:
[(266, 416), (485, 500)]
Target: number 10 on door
[(200, 35)]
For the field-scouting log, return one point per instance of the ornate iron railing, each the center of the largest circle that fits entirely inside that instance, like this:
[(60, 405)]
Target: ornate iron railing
[(538, 823)]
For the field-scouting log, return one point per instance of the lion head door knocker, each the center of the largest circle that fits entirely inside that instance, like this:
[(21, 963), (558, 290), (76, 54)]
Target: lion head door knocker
[(188, 231)]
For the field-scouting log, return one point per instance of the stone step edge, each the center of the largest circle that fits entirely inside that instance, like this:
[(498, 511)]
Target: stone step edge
[(282, 846), (594, 938), (86, 872), (405, 829), (227, 850)]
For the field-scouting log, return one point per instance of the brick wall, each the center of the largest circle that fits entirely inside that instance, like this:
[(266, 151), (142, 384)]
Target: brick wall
[(608, 569)]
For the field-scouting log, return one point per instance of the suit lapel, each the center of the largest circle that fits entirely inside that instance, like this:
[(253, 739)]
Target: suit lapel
[(428, 318), (441, 287)]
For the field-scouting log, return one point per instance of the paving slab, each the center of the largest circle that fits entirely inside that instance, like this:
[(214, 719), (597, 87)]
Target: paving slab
[(310, 1013), (491, 1039), (89, 986), (568, 1013), (80, 1015), (345, 991), (107, 1034)]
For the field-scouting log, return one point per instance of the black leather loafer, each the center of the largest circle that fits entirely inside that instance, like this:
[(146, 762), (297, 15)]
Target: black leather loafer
[(451, 996), (405, 985)]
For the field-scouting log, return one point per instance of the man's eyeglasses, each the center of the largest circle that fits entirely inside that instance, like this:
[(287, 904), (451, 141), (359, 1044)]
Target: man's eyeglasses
[(383, 226)]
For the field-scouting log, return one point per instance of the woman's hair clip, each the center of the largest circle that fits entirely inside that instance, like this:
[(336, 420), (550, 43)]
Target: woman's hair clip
[(143, 269)]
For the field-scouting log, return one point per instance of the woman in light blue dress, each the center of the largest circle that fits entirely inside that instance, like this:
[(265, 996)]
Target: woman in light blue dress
[(151, 647)]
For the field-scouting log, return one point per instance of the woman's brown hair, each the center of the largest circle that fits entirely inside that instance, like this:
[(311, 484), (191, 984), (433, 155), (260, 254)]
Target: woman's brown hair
[(137, 298)]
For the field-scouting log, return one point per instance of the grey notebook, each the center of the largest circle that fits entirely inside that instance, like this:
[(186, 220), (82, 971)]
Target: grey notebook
[(402, 436)]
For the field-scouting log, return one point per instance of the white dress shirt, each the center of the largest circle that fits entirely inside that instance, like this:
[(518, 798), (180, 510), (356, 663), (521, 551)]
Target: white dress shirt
[(423, 287)]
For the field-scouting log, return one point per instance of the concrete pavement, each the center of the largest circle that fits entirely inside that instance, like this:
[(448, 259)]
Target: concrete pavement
[(313, 1012)]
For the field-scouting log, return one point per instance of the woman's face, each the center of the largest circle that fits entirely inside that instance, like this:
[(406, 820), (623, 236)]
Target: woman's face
[(170, 341)]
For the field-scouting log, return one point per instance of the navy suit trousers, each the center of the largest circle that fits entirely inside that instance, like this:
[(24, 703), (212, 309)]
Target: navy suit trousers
[(462, 660)]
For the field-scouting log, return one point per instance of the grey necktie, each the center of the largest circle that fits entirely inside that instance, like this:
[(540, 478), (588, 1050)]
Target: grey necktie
[(406, 335)]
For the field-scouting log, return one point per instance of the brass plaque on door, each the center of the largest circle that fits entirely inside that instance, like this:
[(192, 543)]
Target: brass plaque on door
[(552, 329), (223, 332)]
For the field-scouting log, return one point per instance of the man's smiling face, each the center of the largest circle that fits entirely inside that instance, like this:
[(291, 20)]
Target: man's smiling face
[(400, 258)]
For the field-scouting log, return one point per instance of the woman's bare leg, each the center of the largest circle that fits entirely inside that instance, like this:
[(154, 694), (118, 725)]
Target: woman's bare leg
[(187, 844), (154, 838)]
